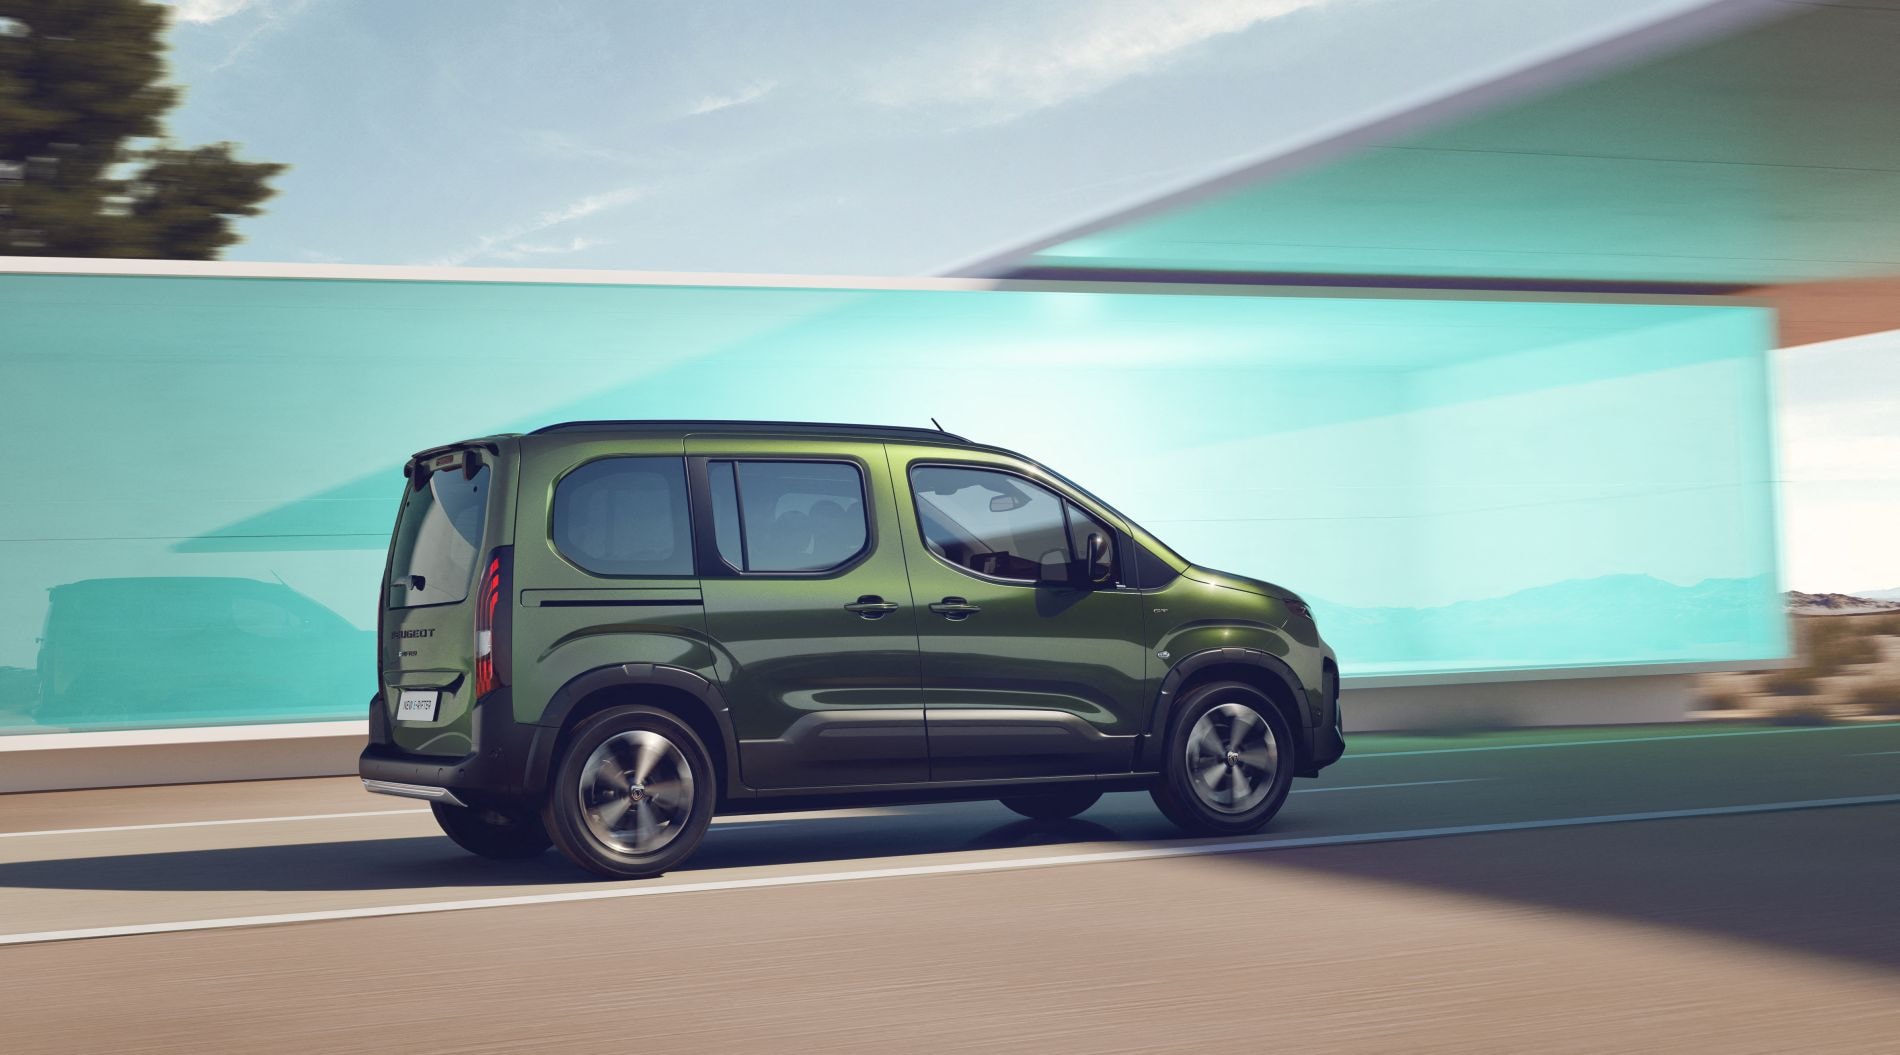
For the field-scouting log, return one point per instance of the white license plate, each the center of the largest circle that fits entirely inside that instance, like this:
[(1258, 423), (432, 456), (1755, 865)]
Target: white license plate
[(417, 705)]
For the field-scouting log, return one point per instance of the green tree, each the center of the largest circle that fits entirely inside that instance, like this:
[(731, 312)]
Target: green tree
[(85, 169)]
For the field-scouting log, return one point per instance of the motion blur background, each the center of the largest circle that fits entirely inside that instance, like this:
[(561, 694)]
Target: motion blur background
[(1457, 316), (1551, 349)]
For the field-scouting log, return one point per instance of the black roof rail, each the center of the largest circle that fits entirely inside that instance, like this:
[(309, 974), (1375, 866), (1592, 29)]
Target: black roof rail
[(901, 432)]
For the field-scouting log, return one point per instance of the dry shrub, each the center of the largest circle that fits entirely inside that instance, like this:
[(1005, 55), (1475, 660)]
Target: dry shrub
[(1878, 693), (1795, 681), (1722, 699), (1802, 712), (1837, 650), (1881, 625)]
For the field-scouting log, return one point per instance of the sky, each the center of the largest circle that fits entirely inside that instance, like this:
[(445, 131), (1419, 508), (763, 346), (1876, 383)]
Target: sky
[(1840, 464), (863, 137), (825, 136)]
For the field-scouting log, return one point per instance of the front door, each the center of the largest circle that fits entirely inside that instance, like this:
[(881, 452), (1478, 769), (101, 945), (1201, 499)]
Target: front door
[(1022, 676), (810, 612)]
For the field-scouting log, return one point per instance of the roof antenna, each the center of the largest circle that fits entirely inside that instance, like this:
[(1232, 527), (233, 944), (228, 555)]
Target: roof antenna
[(940, 428)]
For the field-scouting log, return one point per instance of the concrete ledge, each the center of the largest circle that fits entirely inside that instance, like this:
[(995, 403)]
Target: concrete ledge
[(136, 757), (131, 758), (1521, 674), (1628, 700)]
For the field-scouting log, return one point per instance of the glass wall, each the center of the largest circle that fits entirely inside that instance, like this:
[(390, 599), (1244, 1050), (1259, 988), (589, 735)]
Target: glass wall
[(202, 474)]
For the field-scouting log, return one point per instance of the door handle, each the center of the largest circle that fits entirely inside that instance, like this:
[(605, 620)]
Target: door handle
[(955, 608), (871, 606)]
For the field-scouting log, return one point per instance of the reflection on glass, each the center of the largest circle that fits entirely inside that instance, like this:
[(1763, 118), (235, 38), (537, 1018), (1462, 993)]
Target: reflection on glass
[(436, 539), (183, 650)]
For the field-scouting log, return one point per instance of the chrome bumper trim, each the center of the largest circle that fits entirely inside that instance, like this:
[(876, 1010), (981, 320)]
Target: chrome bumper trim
[(412, 791)]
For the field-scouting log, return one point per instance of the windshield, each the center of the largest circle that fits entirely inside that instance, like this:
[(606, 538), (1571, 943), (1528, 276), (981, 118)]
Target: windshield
[(1125, 518), (434, 549)]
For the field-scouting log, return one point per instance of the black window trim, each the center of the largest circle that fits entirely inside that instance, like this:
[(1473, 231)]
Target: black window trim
[(712, 565), (692, 534), (1054, 488)]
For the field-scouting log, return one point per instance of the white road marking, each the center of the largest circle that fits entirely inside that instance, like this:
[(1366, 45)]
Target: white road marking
[(213, 824), (749, 820), (638, 889), (1871, 754), (1400, 784), (755, 819), (1369, 755)]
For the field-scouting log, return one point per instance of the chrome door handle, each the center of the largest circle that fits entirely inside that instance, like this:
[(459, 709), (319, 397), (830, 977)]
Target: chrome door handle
[(955, 608), (871, 606)]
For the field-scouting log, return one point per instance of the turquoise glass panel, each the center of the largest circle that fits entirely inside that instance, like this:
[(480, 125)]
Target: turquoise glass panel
[(201, 474), (1757, 157)]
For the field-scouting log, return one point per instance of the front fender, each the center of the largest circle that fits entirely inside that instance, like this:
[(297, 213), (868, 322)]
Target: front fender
[(1182, 668)]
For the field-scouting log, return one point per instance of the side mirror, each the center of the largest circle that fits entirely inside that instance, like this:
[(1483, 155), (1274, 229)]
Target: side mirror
[(1055, 569), (1097, 568)]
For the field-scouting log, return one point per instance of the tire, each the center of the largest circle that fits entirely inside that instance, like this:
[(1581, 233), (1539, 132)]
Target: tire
[(1228, 761), (1056, 804), (502, 835), (595, 773)]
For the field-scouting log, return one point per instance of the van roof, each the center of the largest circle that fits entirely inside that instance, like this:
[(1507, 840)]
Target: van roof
[(811, 428)]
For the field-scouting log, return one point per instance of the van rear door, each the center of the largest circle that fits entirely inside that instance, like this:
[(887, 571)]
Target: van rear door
[(427, 644)]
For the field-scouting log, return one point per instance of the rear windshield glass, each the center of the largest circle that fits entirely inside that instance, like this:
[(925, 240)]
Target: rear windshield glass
[(436, 540)]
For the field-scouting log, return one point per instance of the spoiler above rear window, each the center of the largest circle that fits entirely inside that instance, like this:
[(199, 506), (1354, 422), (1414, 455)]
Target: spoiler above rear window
[(465, 456)]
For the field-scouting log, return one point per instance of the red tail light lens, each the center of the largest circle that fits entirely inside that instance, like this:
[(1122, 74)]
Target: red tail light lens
[(491, 625)]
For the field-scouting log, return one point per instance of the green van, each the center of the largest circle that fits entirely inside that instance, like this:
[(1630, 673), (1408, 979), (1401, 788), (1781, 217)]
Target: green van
[(599, 634)]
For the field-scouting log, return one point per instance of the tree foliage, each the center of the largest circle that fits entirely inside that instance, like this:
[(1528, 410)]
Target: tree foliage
[(85, 169)]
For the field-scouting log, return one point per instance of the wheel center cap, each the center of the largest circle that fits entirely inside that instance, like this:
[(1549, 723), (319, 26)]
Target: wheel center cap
[(1233, 758), (636, 794)]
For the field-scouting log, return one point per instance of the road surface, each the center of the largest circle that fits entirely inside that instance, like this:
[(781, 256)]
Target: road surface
[(1663, 889)]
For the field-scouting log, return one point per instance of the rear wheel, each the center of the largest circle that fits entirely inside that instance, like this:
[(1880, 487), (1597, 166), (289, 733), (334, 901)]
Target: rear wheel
[(1228, 763), (632, 795), (505, 835), (1056, 804)]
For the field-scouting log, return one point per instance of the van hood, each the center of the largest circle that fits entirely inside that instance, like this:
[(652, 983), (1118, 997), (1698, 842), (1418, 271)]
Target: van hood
[(1240, 582)]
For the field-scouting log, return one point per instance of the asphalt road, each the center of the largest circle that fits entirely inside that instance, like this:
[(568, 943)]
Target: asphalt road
[(1678, 889)]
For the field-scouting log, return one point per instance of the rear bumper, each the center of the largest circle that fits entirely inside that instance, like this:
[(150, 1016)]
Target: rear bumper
[(412, 791), (506, 767)]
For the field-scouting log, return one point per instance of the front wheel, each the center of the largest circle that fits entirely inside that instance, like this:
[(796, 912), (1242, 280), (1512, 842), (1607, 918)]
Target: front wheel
[(508, 835), (1228, 762), (632, 793)]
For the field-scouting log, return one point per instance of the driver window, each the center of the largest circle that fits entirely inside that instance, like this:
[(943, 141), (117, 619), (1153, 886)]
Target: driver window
[(991, 523)]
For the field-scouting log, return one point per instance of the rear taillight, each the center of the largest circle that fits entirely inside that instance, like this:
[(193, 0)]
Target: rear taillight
[(492, 619)]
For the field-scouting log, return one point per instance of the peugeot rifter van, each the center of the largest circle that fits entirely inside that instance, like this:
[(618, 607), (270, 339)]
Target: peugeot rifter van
[(598, 635)]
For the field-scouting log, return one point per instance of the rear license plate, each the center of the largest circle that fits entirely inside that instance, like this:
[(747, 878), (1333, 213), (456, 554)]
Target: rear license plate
[(417, 705)]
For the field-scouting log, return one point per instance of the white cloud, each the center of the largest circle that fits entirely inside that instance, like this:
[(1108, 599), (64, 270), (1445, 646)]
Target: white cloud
[(564, 146), (1011, 71), (751, 93), (572, 245), (506, 243), (202, 11)]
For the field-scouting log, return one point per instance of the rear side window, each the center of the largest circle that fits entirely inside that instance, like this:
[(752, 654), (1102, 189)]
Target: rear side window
[(625, 517), (786, 516), (433, 555)]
